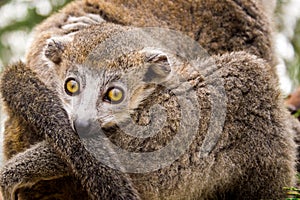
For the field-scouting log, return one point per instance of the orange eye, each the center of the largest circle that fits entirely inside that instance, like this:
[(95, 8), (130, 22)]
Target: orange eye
[(72, 87), (114, 95)]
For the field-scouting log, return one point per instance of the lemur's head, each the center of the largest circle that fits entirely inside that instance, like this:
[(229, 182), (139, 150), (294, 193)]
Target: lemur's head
[(106, 94), (107, 73), (100, 91)]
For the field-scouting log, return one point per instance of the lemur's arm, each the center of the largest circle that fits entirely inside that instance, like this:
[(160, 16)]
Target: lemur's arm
[(24, 94), (25, 169)]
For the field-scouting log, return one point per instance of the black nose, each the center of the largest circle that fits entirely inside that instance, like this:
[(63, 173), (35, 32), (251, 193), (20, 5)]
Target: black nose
[(85, 128)]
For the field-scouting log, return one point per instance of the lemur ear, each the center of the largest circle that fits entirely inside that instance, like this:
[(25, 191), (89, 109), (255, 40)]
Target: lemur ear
[(158, 66), (54, 49)]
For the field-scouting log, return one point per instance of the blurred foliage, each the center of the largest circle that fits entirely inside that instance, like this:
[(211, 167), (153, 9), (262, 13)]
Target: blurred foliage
[(293, 67), (285, 24), (2, 2), (12, 24)]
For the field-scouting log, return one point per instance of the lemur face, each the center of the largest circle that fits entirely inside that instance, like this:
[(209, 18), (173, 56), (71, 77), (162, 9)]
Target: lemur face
[(102, 80), (105, 94), (94, 98)]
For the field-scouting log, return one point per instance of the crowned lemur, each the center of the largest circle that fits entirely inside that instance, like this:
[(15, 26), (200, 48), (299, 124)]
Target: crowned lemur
[(63, 92)]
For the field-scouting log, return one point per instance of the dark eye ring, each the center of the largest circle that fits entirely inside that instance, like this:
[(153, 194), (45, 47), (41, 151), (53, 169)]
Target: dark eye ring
[(114, 95), (72, 87)]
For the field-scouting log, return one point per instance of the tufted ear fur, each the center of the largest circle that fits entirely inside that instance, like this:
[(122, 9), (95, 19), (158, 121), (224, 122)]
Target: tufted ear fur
[(158, 66), (55, 48)]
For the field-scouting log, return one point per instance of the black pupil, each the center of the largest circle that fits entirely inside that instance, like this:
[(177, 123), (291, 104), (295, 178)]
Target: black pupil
[(73, 84)]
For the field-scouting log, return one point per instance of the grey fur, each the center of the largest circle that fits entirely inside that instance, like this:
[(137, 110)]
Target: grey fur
[(253, 158)]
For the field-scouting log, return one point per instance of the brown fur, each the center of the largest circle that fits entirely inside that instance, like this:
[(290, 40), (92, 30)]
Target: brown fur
[(255, 155), (251, 160), (218, 26)]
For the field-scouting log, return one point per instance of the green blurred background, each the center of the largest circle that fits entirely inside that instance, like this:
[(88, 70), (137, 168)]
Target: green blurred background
[(18, 17)]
